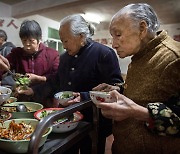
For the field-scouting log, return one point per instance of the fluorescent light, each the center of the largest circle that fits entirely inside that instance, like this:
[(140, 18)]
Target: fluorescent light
[(92, 17)]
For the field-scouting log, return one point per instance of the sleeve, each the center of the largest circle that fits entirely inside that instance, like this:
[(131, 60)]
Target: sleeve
[(165, 117), (163, 121), (54, 62)]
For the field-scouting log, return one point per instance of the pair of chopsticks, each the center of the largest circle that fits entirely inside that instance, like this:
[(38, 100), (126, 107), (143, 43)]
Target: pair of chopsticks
[(14, 76)]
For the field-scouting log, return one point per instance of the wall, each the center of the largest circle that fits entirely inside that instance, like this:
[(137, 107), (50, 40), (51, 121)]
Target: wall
[(44, 23), (5, 10)]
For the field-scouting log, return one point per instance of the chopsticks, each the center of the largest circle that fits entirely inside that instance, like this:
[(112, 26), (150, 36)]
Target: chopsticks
[(14, 76)]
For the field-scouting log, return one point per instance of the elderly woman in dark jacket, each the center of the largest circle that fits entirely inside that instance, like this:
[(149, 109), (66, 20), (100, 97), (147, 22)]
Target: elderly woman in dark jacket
[(84, 65)]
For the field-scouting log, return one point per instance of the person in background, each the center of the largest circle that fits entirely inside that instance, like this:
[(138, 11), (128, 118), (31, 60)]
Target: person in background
[(4, 64), (5, 47), (34, 58), (146, 118), (84, 65)]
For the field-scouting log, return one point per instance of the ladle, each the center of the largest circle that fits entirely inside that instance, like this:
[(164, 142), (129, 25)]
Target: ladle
[(21, 108)]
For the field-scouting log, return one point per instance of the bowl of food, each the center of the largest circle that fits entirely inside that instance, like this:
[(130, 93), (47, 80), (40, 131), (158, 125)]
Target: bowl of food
[(5, 93), (100, 97), (11, 100), (64, 96), (16, 133), (32, 107), (64, 124)]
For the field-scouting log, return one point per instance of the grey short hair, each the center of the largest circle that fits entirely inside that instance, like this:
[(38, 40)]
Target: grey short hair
[(78, 25), (3, 35), (141, 11)]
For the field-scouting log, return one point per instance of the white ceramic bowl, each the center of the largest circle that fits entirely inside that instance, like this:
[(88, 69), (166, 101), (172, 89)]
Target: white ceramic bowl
[(64, 96), (100, 97), (21, 146), (4, 94), (63, 127)]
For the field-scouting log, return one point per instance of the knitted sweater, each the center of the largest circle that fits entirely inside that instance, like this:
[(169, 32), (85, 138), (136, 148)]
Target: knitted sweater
[(153, 76)]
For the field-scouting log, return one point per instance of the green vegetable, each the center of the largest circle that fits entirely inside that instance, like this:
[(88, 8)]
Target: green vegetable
[(65, 95)]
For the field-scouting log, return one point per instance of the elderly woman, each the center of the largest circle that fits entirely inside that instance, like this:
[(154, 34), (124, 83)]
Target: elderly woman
[(5, 47), (153, 78), (84, 65), (34, 58)]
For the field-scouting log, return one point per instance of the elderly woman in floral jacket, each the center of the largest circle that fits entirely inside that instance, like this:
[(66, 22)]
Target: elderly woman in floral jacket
[(146, 120)]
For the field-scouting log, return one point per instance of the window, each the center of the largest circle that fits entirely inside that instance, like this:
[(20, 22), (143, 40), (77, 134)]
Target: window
[(53, 40)]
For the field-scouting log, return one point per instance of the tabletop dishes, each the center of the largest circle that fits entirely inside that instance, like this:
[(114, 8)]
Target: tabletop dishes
[(59, 126), (100, 97), (31, 106), (19, 144), (4, 94), (64, 96)]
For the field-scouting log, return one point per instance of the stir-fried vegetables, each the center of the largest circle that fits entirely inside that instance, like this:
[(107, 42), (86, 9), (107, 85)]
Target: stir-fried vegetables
[(16, 131), (22, 80), (46, 113), (65, 95)]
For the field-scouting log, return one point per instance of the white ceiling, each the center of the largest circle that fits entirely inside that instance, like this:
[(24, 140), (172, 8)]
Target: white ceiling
[(168, 10)]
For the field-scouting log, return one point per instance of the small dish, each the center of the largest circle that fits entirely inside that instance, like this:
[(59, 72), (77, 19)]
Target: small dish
[(100, 97), (64, 96), (4, 94)]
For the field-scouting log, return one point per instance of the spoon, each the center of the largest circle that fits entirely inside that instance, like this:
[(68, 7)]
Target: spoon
[(21, 108)]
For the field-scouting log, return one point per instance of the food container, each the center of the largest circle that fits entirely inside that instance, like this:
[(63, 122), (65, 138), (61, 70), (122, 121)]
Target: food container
[(101, 97), (32, 108), (64, 96), (4, 94), (67, 126), (21, 146)]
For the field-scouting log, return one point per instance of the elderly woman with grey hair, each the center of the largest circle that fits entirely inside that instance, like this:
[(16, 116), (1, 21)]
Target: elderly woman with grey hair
[(146, 119), (5, 47), (84, 65)]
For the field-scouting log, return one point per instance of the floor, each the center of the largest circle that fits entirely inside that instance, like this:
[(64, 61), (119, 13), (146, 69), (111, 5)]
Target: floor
[(109, 141)]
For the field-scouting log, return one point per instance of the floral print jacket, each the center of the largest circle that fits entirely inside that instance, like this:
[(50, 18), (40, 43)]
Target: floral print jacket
[(165, 117)]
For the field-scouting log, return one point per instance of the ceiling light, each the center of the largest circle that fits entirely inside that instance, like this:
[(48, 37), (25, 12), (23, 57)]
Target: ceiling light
[(92, 17)]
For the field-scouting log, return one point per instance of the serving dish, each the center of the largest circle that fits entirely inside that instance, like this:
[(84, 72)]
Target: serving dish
[(59, 126), (32, 108), (20, 146)]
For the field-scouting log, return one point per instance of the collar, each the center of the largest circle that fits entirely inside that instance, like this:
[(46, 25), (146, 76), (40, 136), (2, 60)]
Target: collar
[(89, 42), (161, 36), (41, 47)]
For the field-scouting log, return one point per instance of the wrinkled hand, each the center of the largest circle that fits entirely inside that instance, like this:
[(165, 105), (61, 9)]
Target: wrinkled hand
[(76, 99), (35, 78), (123, 108), (28, 91), (4, 63), (105, 87)]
